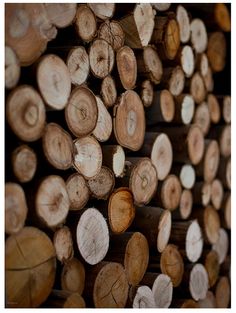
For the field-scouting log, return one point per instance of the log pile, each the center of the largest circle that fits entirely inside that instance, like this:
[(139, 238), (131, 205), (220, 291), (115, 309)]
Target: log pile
[(118, 155)]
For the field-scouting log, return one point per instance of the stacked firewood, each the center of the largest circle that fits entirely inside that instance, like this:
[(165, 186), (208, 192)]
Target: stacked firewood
[(118, 155)]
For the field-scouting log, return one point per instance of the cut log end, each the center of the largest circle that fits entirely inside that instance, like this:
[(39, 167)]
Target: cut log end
[(187, 60), (127, 67), (112, 32), (177, 81), (147, 93), (161, 6), (63, 244), (85, 23), (12, 68), (187, 176), (211, 224), (208, 80), (114, 158), (227, 212), (227, 109), (92, 236), (223, 293), (164, 230), (211, 161), (108, 91), (184, 23), (225, 141), (212, 266), (186, 204), (78, 191), (103, 129), (202, 117), (73, 276), (162, 290), (198, 35), (194, 242), (221, 246), (103, 11), (214, 108), (198, 282), (153, 64), (195, 141), (171, 192), (217, 193), (197, 88), (61, 14), (144, 298), (222, 16), (167, 105), (187, 109), (216, 51), (172, 39)]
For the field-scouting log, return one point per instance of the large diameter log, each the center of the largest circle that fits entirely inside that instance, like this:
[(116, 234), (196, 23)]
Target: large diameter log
[(166, 36), (52, 201), (223, 135), (214, 108), (146, 92), (113, 33), (189, 234), (78, 65), (202, 117), (24, 163), (158, 147), (212, 267), (197, 88), (87, 156), (101, 58), (81, 112), (198, 35), (73, 276), (127, 67), (29, 257), (92, 236), (186, 174), (183, 20), (198, 282), (114, 158), (63, 243), (138, 27), (78, 191), (202, 193), (12, 68), (162, 108), (102, 185), (108, 91), (172, 264), (149, 64), (143, 179), (61, 14), (224, 172), (129, 121), (209, 302), (103, 11), (143, 298), (57, 146), (53, 79), (103, 128), (155, 224), (28, 30), (86, 30), (174, 79), (184, 109), (217, 193), (15, 208), (121, 210), (221, 246), (222, 292), (25, 112), (132, 250), (216, 51)]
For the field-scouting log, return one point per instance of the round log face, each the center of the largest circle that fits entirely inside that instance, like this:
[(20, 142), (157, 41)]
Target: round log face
[(73, 276), (222, 16), (167, 105), (197, 88), (112, 32), (217, 193), (214, 108), (162, 290), (171, 192), (144, 298), (212, 266), (108, 91), (211, 224), (216, 51), (223, 292), (177, 81), (187, 60), (184, 23), (74, 301), (195, 141), (164, 230), (85, 23), (187, 176), (227, 212), (153, 64), (78, 65), (211, 161), (63, 244), (225, 141), (172, 39), (198, 282), (198, 35), (194, 242), (61, 14), (187, 109), (222, 245), (127, 67), (147, 93), (202, 117), (186, 203), (12, 68), (78, 191), (111, 287), (103, 11), (103, 129), (227, 109)]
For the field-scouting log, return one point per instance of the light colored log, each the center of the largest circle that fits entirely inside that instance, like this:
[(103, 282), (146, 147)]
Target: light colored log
[(85, 23), (103, 129), (209, 302), (202, 193), (143, 298), (78, 191), (217, 193), (226, 111), (187, 60), (161, 6), (108, 91), (198, 35), (202, 117), (221, 246), (61, 14), (12, 68), (184, 23), (197, 88), (103, 11), (184, 109), (174, 80), (147, 93), (63, 243), (198, 282), (114, 158)]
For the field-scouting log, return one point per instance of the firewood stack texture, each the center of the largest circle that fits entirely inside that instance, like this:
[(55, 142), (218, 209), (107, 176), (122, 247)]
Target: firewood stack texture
[(117, 155)]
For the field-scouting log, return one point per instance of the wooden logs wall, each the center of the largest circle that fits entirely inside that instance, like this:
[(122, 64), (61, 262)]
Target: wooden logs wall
[(118, 155)]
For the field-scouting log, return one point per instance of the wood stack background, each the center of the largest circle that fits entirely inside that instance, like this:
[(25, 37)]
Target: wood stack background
[(118, 155)]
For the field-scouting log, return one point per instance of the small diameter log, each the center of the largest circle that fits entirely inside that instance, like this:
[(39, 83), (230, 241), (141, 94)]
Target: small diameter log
[(63, 243), (214, 108), (114, 158), (143, 179), (202, 117), (101, 58), (64, 299), (12, 68), (197, 88), (129, 121), (212, 267), (15, 208), (61, 14), (198, 35), (224, 172), (222, 293), (174, 79), (138, 27), (226, 206), (198, 282), (208, 166), (216, 51), (35, 264), (158, 147), (208, 80), (113, 33), (166, 36), (103, 129), (169, 193), (103, 11), (209, 302), (108, 91), (222, 16), (81, 112), (185, 204), (85, 23), (202, 193), (161, 6), (155, 224), (121, 210), (130, 249), (52, 201), (187, 60), (87, 156), (221, 246), (188, 235), (172, 264), (73, 276), (57, 146), (25, 112), (217, 193), (223, 135), (102, 185), (143, 298), (24, 163), (202, 64), (226, 111), (78, 65), (186, 174), (78, 191), (53, 79), (162, 108), (183, 20), (92, 236), (184, 109), (149, 64), (127, 67), (147, 93)]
